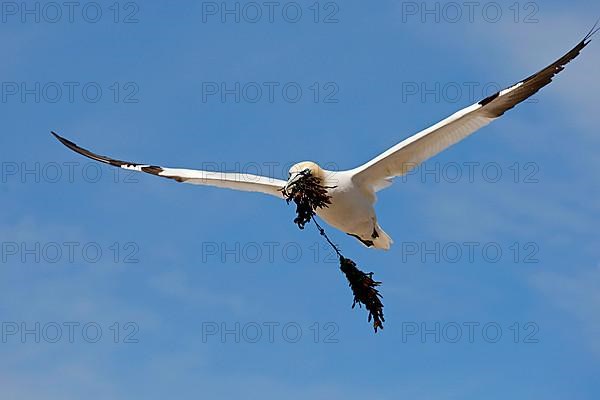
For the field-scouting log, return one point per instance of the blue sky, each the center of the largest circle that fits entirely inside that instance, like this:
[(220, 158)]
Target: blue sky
[(181, 267)]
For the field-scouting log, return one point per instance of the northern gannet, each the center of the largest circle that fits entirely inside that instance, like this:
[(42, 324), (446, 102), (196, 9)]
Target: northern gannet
[(353, 192)]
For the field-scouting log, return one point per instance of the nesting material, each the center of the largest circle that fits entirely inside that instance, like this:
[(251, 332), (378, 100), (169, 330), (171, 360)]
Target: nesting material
[(365, 291), (309, 194)]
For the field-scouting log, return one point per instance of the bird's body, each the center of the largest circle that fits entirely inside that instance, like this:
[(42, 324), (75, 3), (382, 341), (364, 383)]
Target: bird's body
[(353, 192), (348, 199), (353, 201)]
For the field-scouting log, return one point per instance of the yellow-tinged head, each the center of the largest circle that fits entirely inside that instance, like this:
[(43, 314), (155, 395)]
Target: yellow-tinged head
[(306, 167), (302, 169)]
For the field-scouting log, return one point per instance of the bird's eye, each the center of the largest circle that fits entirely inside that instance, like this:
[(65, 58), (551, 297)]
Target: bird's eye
[(290, 174)]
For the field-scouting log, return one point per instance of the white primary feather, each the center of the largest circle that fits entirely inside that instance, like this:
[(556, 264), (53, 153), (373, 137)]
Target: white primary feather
[(237, 181), (408, 154)]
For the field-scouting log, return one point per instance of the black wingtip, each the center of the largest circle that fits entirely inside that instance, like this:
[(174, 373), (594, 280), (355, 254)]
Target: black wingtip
[(58, 137), (592, 32), (65, 142)]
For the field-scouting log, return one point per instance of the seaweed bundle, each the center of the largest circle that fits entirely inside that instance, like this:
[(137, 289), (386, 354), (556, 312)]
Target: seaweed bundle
[(309, 194)]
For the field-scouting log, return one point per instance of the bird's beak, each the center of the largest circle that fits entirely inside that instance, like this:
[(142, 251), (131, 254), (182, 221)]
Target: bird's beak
[(291, 182)]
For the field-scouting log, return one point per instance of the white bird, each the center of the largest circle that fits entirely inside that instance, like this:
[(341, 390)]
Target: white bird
[(353, 192)]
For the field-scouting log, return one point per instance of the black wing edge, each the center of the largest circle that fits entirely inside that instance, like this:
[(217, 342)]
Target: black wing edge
[(535, 82), (150, 169)]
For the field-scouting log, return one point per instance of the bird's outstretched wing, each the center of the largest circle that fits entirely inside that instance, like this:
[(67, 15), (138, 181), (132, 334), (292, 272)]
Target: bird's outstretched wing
[(408, 154), (238, 181)]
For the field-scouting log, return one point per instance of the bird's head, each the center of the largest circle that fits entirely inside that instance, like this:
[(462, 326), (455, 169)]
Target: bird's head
[(306, 167), (302, 169)]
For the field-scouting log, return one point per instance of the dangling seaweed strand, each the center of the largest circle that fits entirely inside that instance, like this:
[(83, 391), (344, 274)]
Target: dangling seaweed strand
[(362, 284)]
